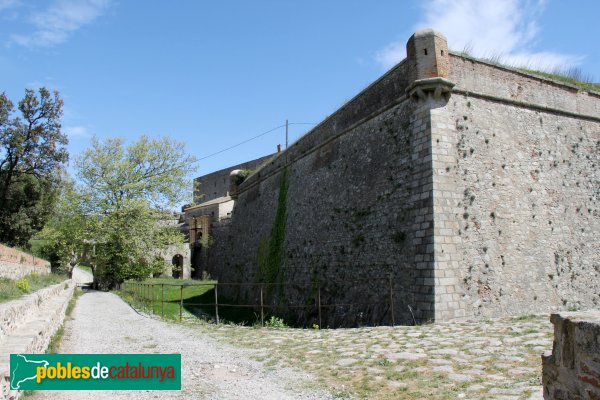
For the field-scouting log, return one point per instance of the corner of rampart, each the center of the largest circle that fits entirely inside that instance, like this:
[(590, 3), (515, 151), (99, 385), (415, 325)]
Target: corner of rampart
[(430, 90)]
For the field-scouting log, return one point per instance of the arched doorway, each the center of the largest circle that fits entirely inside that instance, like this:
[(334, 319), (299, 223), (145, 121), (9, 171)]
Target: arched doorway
[(177, 269)]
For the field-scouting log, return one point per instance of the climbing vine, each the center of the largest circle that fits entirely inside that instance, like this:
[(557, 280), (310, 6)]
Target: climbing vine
[(271, 249)]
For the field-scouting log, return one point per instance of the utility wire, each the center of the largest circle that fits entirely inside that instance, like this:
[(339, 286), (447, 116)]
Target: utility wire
[(254, 137)]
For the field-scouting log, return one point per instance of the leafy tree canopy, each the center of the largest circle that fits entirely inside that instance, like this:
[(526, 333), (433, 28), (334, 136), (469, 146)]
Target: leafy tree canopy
[(150, 170), (116, 216), (32, 153)]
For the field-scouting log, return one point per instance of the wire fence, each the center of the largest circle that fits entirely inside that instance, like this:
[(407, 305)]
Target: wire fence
[(212, 300)]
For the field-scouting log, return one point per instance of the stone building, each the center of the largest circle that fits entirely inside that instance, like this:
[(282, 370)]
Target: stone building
[(213, 208), (176, 256), (449, 188)]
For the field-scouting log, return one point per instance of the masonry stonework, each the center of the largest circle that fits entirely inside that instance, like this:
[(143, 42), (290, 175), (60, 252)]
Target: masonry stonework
[(463, 188), (15, 264), (572, 370)]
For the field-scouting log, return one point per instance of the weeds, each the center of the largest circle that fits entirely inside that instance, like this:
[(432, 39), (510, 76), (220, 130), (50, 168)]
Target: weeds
[(275, 322), (55, 340), (569, 75), (13, 289)]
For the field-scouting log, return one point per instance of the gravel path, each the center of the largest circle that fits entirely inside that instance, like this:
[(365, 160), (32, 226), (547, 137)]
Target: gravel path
[(103, 323), (81, 276)]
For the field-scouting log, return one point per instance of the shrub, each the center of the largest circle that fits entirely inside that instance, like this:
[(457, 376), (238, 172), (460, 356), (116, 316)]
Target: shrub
[(22, 285), (275, 322)]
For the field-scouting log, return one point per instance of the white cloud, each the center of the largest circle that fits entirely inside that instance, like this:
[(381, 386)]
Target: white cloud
[(7, 4), (63, 17), (391, 54), (77, 132), (507, 29)]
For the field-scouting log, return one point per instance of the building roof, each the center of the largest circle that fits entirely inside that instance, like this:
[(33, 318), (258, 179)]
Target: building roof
[(218, 200)]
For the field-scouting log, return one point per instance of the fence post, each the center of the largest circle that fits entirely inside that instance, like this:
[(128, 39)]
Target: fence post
[(216, 302), (180, 302), (392, 300), (262, 311), (152, 290), (162, 300), (319, 307)]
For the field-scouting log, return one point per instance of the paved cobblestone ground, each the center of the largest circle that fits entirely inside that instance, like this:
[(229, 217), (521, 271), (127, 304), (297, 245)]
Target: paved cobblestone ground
[(492, 359)]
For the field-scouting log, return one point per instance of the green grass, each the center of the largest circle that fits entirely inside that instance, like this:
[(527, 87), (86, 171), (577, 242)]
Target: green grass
[(569, 75), (9, 290), (57, 337), (564, 78), (198, 300), (86, 268)]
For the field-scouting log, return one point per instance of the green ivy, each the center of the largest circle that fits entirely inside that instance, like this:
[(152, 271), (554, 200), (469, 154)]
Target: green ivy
[(271, 249)]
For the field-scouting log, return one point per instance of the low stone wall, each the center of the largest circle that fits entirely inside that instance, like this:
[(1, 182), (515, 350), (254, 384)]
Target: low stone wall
[(15, 264), (27, 325), (14, 313), (572, 371)]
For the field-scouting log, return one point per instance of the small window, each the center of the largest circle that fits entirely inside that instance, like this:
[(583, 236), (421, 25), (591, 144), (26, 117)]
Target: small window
[(425, 51), (442, 52)]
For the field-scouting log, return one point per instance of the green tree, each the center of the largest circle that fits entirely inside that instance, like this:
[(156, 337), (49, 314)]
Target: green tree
[(32, 153), (68, 235), (117, 215)]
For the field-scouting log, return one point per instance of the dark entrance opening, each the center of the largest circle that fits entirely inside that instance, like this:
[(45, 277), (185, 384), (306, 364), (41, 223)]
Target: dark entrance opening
[(177, 270)]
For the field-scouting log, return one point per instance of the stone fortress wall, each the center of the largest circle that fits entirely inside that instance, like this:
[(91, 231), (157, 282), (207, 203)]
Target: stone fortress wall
[(526, 169), (473, 187), (216, 184)]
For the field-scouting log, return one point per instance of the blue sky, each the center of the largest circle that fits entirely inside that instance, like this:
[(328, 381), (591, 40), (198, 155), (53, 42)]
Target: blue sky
[(212, 74)]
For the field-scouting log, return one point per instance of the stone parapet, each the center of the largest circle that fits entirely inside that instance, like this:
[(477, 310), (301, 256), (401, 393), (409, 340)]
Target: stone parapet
[(572, 370)]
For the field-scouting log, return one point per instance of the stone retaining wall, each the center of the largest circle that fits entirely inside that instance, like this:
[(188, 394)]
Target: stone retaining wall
[(27, 325), (15, 264), (572, 371), (14, 313)]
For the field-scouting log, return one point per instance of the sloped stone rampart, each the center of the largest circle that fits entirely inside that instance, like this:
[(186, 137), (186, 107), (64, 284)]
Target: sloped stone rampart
[(572, 370), (27, 325), (15, 264), (468, 195)]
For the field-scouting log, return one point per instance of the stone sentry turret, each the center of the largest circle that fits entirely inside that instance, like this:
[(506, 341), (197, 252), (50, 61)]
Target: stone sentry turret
[(428, 63)]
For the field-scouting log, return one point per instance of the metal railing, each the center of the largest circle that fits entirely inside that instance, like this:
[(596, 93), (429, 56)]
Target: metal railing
[(151, 297)]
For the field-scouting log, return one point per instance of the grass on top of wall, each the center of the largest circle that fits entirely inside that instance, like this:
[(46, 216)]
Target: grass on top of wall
[(567, 74), (565, 78), (13, 289)]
